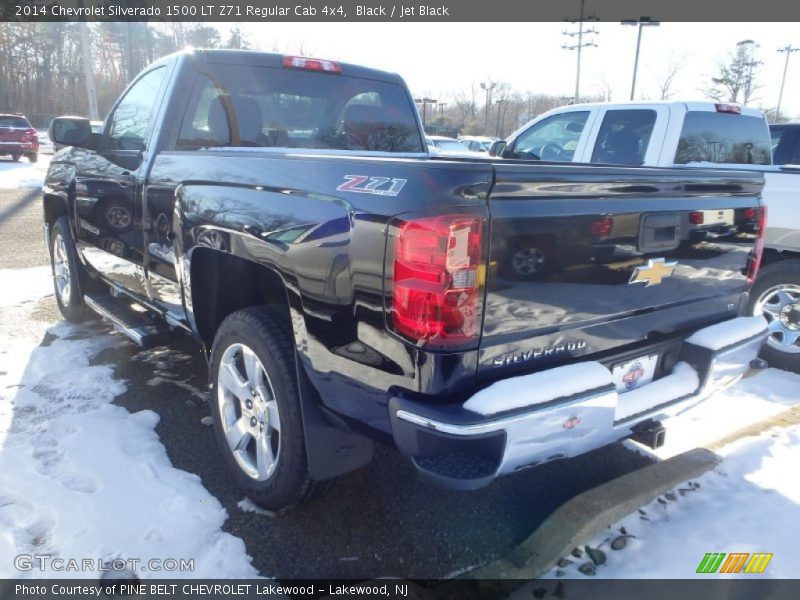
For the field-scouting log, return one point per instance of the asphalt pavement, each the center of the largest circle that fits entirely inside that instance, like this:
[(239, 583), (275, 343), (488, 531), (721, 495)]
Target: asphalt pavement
[(382, 520)]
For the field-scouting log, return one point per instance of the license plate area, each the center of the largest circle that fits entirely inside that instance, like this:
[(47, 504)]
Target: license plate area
[(634, 373)]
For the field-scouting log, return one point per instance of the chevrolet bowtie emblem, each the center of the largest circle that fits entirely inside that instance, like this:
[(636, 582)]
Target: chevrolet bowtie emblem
[(653, 272)]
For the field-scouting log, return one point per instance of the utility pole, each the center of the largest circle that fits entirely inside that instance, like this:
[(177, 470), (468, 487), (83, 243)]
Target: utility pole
[(580, 45), (641, 22), (88, 74), (788, 50), (500, 104), (488, 86), (128, 53), (425, 102)]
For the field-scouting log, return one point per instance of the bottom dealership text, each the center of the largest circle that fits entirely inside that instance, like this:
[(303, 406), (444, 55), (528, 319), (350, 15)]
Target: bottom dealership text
[(121, 589)]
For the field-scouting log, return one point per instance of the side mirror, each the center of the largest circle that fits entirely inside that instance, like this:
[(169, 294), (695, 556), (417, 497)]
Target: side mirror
[(498, 148), (72, 131)]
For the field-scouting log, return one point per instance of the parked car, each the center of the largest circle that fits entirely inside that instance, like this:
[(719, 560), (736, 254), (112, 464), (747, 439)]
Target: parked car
[(697, 134), (476, 143), (346, 285), (445, 146), (18, 138)]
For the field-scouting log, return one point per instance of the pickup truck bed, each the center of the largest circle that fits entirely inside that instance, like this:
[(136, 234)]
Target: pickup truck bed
[(482, 316)]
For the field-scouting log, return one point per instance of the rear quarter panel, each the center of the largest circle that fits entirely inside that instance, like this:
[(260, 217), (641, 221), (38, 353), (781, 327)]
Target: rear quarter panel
[(328, 246)]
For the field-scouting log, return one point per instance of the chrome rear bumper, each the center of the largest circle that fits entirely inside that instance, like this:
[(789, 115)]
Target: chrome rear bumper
[(464, 449)]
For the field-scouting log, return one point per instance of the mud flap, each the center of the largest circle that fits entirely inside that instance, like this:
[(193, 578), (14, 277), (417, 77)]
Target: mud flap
[(331, 450)]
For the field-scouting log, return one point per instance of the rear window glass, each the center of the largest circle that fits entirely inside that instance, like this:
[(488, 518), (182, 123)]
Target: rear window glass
[(624, 136), (723, 138), (243, 106), (10, 121)]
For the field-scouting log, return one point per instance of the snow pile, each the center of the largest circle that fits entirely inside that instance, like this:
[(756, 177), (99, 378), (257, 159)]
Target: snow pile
[(23, 286), (83, 478), (749, 401), (529, 390), (683, 381), (14, 175), (749, 503), (729, 332)]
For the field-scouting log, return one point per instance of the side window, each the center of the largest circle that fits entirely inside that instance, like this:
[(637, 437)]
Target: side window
[(624, 136), (554, 138), (131, 117), (206, 122)]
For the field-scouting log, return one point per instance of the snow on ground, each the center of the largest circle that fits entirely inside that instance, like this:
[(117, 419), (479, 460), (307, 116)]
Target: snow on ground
[(24, 286), (81, 477), (749, 503), (754, 399), (22, 174)]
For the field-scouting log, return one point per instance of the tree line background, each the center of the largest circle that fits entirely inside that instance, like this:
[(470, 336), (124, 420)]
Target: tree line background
[(41, 64), (42, 75)]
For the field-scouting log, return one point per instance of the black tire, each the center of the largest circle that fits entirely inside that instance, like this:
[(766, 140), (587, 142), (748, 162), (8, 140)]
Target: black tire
[(267, 333), (33, 157), (69, 303), (779, 274), (16, 157)]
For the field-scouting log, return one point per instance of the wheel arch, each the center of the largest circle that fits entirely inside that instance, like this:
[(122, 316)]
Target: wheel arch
[(221, 283)]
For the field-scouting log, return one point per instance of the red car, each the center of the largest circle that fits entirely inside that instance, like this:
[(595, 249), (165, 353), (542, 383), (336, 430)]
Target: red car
[(18, 138)]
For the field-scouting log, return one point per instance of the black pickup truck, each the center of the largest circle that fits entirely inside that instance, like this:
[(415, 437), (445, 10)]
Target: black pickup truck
[(349, 288)]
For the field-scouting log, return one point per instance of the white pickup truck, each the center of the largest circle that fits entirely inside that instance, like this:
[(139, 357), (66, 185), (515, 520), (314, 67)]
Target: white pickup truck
[(668, 134)]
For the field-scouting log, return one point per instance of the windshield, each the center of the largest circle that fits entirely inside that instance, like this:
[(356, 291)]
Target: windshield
[(237, 105), (723, 138)]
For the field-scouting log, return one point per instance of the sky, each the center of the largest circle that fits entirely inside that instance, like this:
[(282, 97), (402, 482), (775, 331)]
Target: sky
[(438, 59)]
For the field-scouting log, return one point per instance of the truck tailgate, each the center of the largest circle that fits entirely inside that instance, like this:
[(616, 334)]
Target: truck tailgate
[(589, 260)]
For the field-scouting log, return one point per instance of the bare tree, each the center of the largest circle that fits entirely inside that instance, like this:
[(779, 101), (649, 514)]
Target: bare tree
[(736, 79), (666, 79), (605, 88)]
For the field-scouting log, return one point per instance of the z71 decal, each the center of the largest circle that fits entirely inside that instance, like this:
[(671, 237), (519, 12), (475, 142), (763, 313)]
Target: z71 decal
[(363, 184)]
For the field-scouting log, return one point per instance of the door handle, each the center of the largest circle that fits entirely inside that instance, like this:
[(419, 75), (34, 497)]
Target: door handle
[(125, 179)]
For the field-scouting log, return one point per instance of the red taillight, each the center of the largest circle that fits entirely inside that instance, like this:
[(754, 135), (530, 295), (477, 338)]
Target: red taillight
[(734, 109), (749, 213), (754, 261), (436, 299), (696, 217), (29, 135), (602, 227), (311, 64)]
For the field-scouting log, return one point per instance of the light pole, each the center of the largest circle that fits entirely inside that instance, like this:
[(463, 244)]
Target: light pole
[(641, 22), (488, 86), (788, 50), (580, 45)]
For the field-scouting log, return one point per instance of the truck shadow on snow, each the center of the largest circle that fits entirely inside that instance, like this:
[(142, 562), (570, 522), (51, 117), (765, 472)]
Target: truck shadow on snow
[(383, 520)]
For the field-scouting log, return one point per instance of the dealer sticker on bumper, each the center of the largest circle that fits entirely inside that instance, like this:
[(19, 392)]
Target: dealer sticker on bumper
[(634, 373)]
